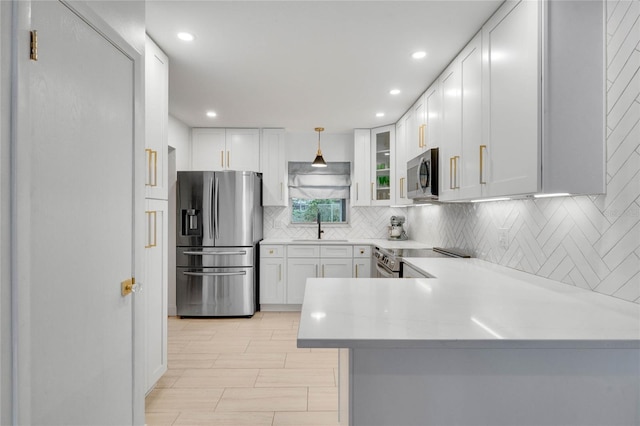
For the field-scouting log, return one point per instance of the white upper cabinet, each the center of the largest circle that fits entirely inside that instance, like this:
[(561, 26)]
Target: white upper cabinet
[(383, 151), (543, 98), (450, 81), (471, 122), (401, 164), (225, 149), (156, 120), (432, 131), (415, 129), (273, 165), (243, 149), (374, 167), (360, 186), (511, 158)]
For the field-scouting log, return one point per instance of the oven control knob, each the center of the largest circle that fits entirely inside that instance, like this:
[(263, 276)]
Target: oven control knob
[(391, 263)]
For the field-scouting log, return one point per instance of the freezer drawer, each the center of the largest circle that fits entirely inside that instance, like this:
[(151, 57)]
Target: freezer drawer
[(210, 257), (215, 292)]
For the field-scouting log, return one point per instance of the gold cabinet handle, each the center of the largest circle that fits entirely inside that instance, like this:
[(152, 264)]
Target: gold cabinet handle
[(270, 251), (222, 158), (280, 272), (372, 191), (421, 143), (357, 192), (316, 270), (361, 251), (482, 148), (228, 159), (323, 270), (281, 191), (455, 172), (451, 160), (152, 167), (402, 187), (151, 223), (356, 270)]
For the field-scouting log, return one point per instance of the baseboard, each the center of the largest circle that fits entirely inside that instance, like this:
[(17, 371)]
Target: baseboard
[(173, 311), (280, 308)]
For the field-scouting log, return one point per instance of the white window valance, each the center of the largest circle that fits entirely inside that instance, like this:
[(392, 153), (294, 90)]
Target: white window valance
[(333, 181)]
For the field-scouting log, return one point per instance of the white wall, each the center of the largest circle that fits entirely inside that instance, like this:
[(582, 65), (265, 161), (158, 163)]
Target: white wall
[(303, 146), (179, 135), (590, 242)]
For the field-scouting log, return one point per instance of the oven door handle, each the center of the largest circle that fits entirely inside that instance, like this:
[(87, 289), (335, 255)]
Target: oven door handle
[(214, 274)]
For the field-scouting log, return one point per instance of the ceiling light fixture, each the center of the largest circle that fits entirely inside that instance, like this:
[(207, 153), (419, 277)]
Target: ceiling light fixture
[(380, 114), (211, 114), (186, 36), (419, 55), (394, 91), (319, 161)]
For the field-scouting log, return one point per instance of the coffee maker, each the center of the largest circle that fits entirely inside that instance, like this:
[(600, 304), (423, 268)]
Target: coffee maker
[(396, 229)]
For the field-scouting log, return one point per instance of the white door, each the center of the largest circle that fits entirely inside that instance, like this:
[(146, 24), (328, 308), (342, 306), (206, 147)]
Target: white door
[(74, 222)]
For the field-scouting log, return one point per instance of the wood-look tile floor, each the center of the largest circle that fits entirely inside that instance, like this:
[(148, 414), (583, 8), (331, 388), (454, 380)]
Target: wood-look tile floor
[(243, 371)]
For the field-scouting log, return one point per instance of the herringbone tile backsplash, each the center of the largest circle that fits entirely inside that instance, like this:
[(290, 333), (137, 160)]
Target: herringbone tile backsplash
[(590, 241)]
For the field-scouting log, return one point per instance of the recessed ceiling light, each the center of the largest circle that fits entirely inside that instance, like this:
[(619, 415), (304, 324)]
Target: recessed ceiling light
[(394, 91), (419, 55), (211, 114), (380, 114), (186, 36)]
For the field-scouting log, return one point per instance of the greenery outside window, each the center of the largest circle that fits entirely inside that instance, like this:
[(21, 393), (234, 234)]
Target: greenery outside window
[(306, 211)]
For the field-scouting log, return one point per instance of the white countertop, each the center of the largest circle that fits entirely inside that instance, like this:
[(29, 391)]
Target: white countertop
[(408, 244), (469, 304)]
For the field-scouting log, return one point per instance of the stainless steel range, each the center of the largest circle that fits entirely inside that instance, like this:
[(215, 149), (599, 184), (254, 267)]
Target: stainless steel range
[(389, 261)]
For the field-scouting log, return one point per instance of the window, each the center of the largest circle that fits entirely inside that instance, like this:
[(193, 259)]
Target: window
[(332, 210), (319, 190)]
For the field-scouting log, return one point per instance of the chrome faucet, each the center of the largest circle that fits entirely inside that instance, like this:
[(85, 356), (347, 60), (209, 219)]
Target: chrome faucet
[(320, 231)]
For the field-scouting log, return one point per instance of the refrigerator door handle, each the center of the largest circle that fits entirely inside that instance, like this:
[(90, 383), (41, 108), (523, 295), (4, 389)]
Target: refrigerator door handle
[(214, 274), (216, 209), (211, 222), (213, 253)]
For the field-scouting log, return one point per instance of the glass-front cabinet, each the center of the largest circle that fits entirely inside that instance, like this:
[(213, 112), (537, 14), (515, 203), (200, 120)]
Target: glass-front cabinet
[(382, 167)]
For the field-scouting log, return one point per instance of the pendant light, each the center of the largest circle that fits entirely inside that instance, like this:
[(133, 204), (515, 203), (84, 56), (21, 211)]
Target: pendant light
[(319, 161)]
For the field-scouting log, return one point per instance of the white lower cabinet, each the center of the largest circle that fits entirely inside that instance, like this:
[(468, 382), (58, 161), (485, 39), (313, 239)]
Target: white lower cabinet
[(154, 290), (284, 269), (298, 270)]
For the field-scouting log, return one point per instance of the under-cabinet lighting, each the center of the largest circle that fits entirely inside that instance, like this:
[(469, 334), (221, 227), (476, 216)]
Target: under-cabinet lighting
[(394, 91), (186, 36), (560, 194), (419, 55), (483, 200), (211, 114)]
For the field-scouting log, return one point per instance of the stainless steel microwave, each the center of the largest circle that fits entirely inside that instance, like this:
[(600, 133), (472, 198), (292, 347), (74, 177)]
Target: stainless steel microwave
[(422, 176)]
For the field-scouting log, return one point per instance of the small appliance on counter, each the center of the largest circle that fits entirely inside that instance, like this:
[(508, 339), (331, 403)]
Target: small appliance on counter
[(396, 229)]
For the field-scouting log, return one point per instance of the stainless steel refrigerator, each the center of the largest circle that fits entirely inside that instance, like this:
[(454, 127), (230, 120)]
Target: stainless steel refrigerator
[(219, 218)]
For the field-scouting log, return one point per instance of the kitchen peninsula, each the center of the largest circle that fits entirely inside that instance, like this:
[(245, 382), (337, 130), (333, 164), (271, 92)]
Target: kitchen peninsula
[(478, 344)]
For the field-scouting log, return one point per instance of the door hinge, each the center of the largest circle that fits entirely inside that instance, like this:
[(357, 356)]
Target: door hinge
[(33, 55)]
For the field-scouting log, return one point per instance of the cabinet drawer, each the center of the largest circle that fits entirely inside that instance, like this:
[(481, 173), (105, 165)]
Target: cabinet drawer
[(271, 251), (336, 251), (361, 251), (303, 250)]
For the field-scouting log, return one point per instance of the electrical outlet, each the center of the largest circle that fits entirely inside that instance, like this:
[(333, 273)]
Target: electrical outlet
[(503, 237)]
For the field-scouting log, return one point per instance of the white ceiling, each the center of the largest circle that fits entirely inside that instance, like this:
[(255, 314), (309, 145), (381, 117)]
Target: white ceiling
[(303, 64)]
